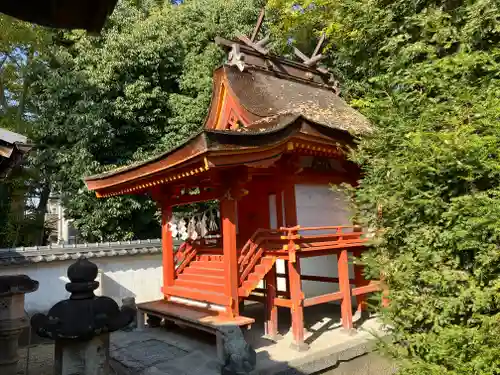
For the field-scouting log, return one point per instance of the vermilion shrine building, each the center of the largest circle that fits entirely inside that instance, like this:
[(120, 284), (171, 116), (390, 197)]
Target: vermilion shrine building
[(275, 138)]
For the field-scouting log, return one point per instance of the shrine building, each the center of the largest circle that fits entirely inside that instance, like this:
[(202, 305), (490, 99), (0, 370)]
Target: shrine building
[(275, 139)]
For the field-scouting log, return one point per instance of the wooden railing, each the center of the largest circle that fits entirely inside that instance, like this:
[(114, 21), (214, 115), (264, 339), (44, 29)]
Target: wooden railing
[(253, 251), (184, 255), (188, 250), (286, 239), (333, 237)]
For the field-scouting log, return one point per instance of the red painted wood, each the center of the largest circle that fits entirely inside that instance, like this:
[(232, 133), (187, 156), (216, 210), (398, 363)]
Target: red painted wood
[(373, 286), (203, 197), (252, 264), (206, 278), (283, 302), (290, 205), (279, 209), (189, 314), (198, 295), (202, 284), (346, 306), (167, 247), (207, 264), (271, 323), (290, 221), (297, 298), (253, 209), (203, 271), (279, 293), (186, 258), (228, 215), (330, 297)]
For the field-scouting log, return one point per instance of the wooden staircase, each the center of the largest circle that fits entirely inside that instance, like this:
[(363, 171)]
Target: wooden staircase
[(254, 278), (201, 277)]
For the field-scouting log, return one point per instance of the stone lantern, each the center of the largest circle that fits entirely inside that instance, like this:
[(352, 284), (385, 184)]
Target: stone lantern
[(81, 324), (12, 318)]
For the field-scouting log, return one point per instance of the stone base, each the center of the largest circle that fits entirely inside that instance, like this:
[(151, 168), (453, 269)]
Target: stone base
[(8, 352), (349, 332), (302, 347), (83, 358), (277, 337)]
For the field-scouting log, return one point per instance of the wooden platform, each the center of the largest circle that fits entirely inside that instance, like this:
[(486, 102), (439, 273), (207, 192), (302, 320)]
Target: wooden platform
[(199, 318), (204, 320)]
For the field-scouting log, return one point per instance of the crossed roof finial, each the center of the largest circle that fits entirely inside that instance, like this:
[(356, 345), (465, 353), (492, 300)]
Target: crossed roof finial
[(237, 58), (260, 45), (315, 58)]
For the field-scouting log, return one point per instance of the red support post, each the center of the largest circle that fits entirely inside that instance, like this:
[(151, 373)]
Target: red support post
[(228, 215), (297, 309), (345, 289), (167, 244), (271, 324)]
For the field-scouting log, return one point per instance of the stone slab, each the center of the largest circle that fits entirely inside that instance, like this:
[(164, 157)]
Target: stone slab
[(160, 351)]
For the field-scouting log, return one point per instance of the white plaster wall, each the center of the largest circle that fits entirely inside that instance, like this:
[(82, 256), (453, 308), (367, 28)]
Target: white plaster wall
[(318, 205), (273, 216), (120, 276)]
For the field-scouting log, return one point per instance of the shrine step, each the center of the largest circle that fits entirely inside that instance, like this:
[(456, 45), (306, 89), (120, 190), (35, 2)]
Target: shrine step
[(212, 264), (189, 270), (197, 295), (201, 284), (214, 279), (255, 277)]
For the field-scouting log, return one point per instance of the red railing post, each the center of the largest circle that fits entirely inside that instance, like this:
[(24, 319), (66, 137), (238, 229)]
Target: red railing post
[(345, 289)]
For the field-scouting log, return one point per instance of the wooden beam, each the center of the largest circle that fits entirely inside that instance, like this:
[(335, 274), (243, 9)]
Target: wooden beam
[(258, 25), (283, 302), (196, 198), (318, 46), (280, 293), (167, 247), (373, 286), (228, 216), (323, 299), (252, 44)]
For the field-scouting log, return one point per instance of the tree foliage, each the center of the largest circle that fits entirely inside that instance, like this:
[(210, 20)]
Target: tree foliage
[(427, 74), (22, 46), (141, 88)]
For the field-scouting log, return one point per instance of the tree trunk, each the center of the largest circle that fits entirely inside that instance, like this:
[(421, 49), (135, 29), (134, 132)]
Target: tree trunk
[(41, 211)]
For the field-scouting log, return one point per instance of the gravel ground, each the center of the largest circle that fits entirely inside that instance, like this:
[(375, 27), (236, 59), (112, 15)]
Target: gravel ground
[(41, 360)]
